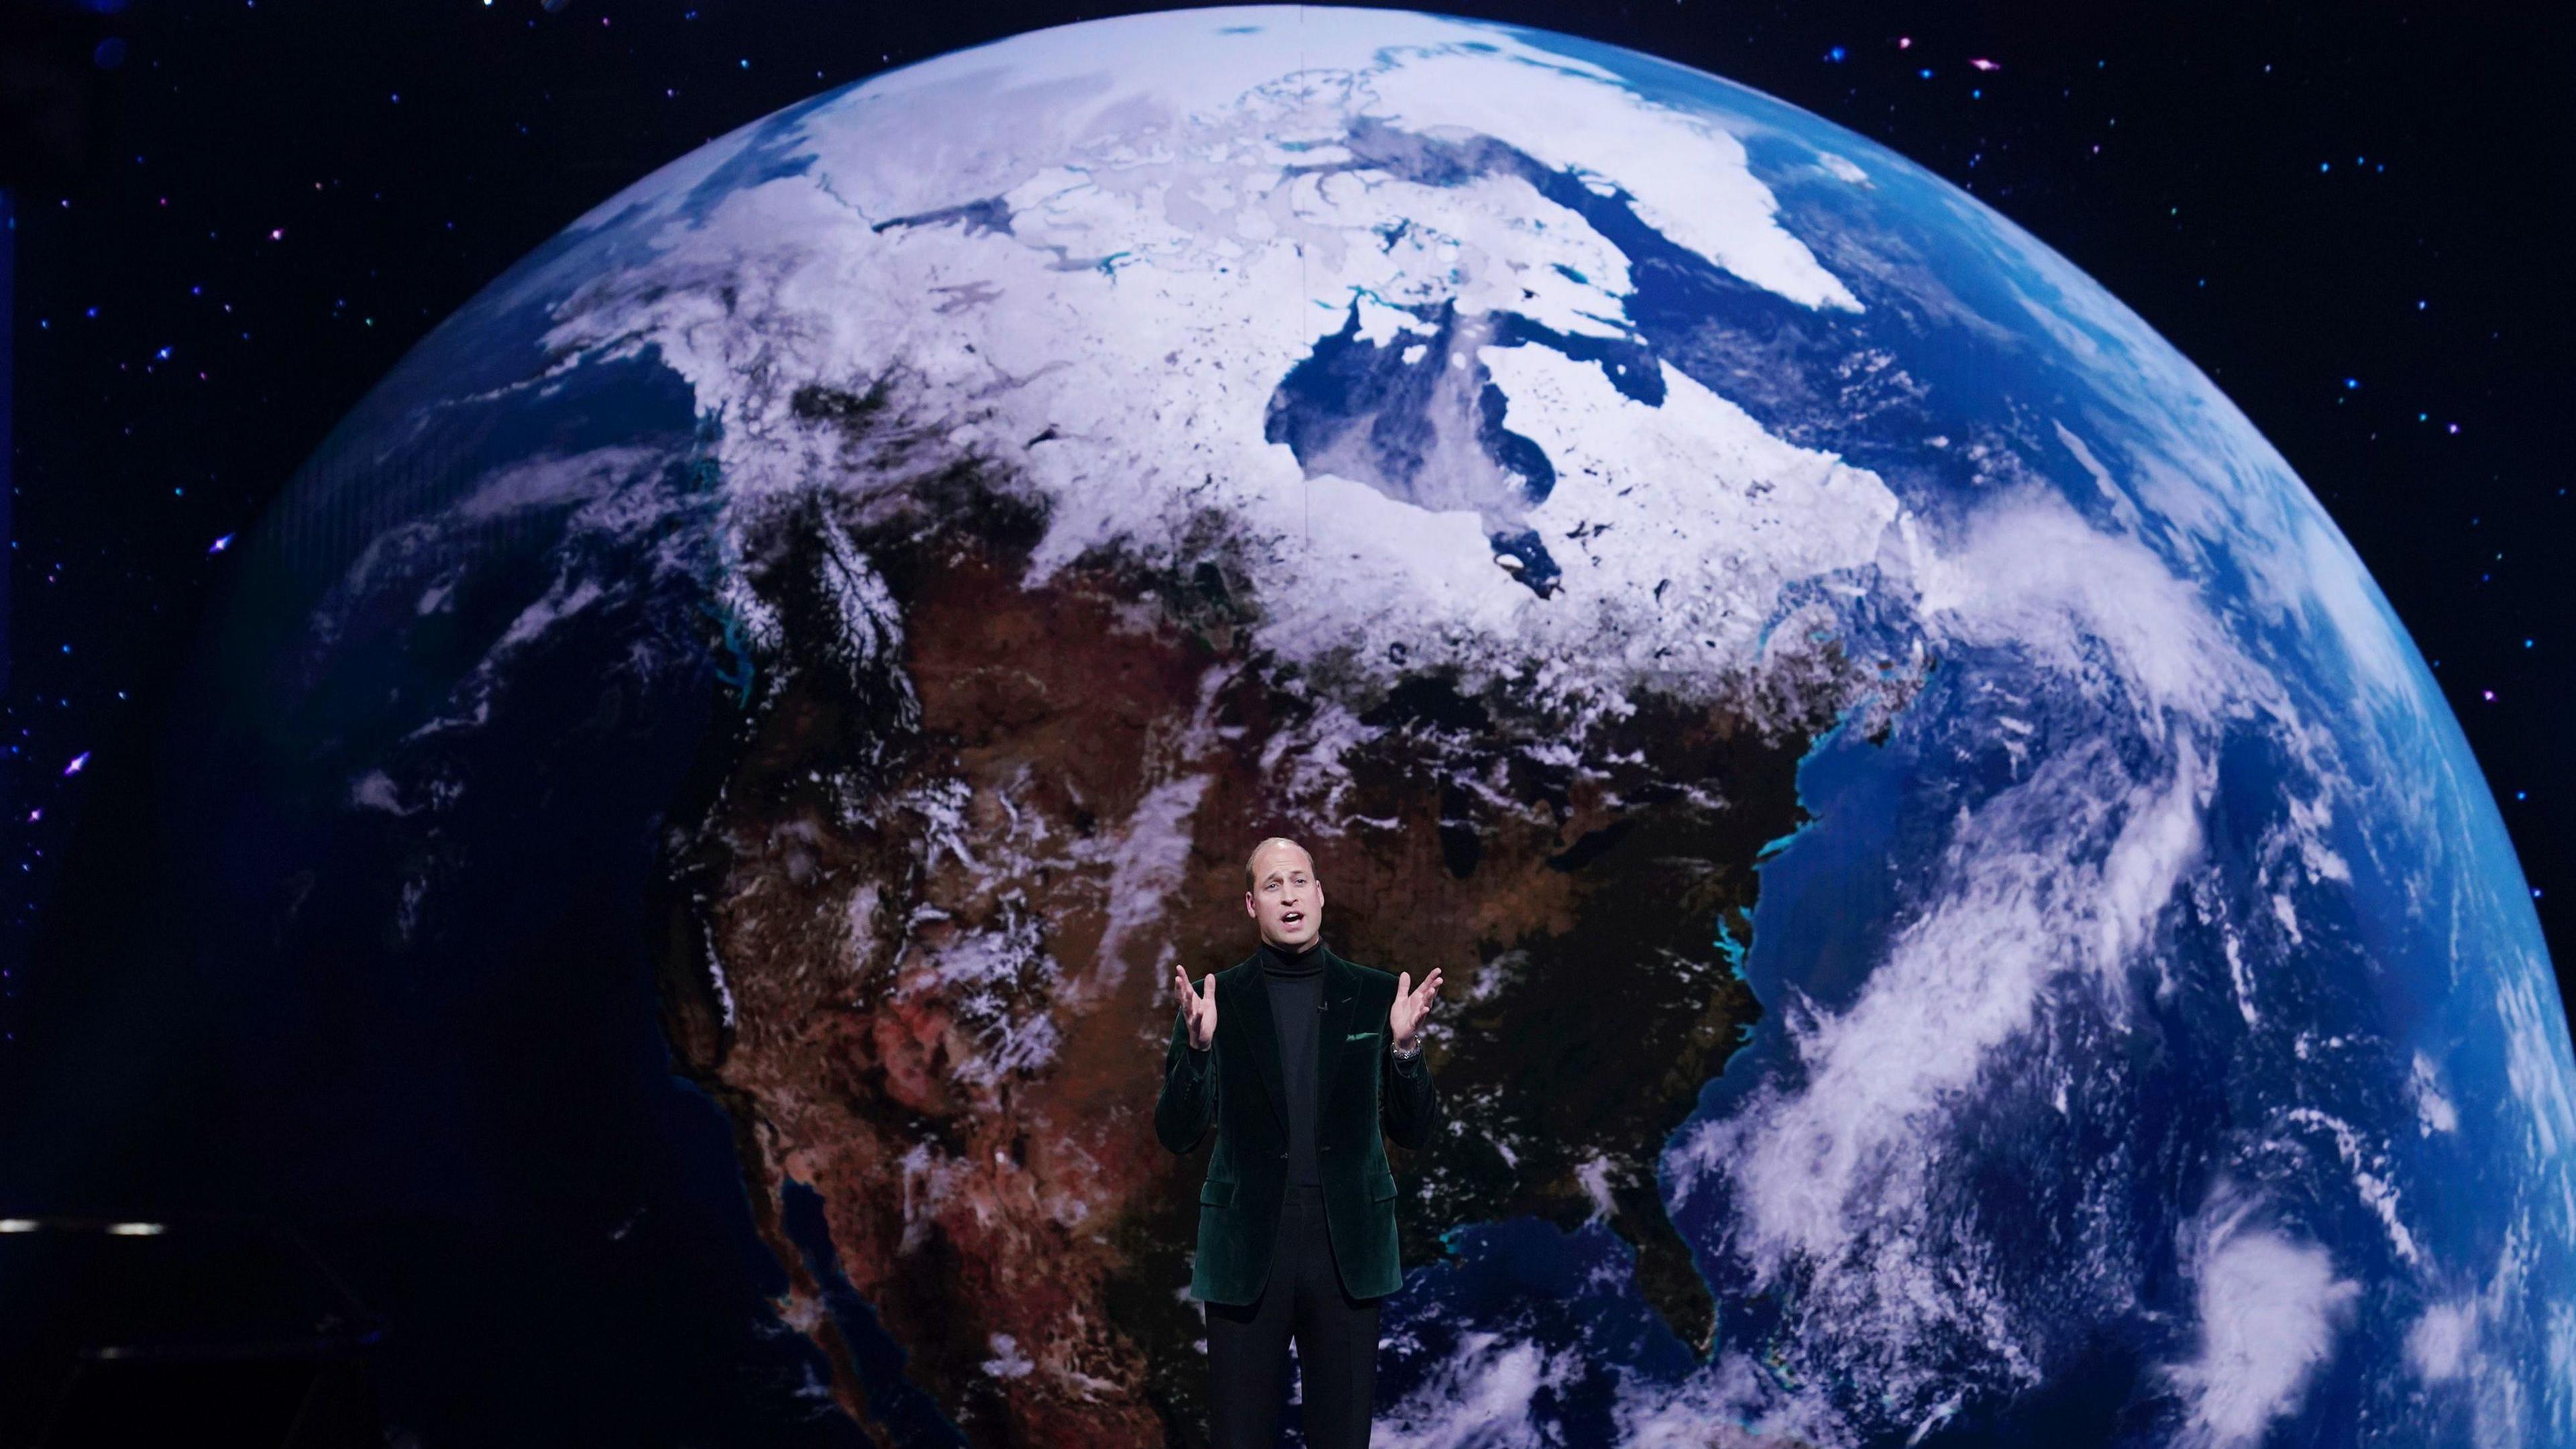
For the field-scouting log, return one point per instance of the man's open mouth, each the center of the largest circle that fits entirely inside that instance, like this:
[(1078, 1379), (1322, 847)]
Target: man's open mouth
[(1292, 918)]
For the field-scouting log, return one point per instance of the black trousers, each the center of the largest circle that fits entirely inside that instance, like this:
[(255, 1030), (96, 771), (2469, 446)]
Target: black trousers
[(1336, 1344)]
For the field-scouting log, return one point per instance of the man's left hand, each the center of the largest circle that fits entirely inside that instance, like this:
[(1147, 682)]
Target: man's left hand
[(1412, 1004)]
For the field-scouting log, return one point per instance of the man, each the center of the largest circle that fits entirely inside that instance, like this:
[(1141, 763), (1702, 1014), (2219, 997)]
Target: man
[(1297, 1216)]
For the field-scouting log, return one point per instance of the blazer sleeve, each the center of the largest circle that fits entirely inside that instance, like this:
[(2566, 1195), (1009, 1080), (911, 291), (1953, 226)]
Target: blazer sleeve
[(1408, 1108), (1187, 1107)]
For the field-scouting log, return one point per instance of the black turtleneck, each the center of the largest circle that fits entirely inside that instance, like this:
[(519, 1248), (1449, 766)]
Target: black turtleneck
[(1296, 984)]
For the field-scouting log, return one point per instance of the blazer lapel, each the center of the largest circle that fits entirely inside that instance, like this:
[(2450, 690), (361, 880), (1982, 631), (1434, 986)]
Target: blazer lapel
[(1249, 1003), (1341, 1018)]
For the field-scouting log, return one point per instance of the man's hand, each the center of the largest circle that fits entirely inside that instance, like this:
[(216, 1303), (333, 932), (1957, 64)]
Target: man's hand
[(1201, 1005), (1412, 1004)]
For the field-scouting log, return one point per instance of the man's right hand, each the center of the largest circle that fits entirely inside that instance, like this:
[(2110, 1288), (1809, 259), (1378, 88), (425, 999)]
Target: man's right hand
[(1200, 1004)]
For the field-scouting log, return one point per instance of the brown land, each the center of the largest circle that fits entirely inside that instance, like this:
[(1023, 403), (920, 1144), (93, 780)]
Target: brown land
[(900, 863)]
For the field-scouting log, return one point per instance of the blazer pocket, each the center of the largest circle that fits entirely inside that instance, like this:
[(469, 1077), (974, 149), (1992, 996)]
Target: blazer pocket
[(1382, 1187), (1217, 1194)]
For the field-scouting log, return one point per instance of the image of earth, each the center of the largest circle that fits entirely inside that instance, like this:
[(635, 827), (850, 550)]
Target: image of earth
[(1965, 917)]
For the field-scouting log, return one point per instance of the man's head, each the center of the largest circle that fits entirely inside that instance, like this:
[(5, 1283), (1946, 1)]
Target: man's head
[(1282, 895)]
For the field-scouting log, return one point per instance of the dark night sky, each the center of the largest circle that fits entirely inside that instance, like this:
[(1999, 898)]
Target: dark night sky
[(2351, 218)]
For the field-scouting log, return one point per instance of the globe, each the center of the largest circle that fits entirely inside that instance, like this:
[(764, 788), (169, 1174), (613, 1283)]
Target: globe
[(1966, 918)]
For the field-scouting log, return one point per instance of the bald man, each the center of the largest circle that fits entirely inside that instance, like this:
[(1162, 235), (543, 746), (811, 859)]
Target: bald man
[(1316, 1066)]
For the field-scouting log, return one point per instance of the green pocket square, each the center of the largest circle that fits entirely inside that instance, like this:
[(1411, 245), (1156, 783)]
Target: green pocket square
[(1360, 1036)]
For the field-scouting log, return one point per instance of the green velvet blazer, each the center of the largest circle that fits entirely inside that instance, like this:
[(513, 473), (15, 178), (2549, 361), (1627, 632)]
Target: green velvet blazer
[(1236, 1086)]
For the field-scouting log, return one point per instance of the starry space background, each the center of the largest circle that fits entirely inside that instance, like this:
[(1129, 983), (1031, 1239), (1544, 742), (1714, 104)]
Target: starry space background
[(2351, 217)]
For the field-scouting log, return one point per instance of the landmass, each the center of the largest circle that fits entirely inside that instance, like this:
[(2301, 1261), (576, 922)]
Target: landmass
[(921, 898)]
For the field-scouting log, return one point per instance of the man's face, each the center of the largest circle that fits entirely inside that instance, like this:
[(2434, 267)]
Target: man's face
[(1286, 899)]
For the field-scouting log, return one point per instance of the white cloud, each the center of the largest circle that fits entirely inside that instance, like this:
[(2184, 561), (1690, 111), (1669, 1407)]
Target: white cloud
[(2439, 1344), (2432, 1109), (376, 790), (2031, 575), (2269, 1311), (1483, 1395)]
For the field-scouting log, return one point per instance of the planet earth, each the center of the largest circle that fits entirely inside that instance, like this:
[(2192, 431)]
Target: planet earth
[(1966, 917)]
